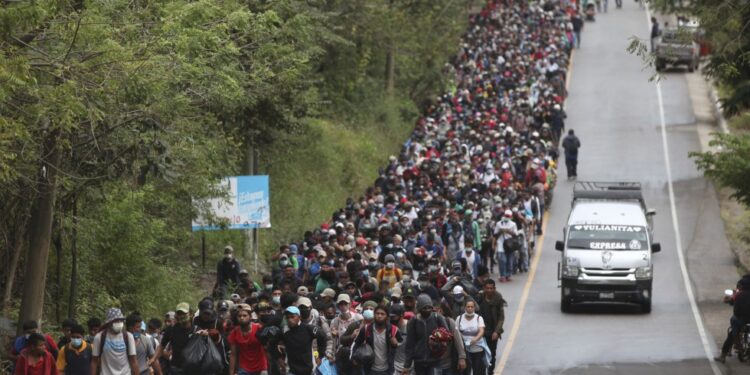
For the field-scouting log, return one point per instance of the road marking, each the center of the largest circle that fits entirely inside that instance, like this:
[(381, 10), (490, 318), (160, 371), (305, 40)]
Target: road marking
[(499, 367), (678, 242), (524, 298)]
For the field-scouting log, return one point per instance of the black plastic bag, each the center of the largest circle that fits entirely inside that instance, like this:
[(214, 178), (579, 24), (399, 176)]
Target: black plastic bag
[(202, 356), (363, 355)]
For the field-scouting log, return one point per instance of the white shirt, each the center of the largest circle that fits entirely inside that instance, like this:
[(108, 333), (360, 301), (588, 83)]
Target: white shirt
[(504, 229)]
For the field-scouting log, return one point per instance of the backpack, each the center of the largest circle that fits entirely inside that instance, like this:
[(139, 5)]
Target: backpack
[(439, 338), (469, 231)]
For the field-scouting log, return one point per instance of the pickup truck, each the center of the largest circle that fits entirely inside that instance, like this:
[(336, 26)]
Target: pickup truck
[(677, 47)]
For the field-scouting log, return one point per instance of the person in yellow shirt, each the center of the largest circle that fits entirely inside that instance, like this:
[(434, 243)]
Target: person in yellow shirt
[(75, 356), (390, 272)]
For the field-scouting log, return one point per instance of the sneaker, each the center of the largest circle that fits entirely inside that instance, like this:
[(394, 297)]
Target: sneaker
[(722, 358)]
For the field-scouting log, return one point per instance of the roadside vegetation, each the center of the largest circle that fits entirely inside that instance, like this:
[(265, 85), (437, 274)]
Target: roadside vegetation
[(117, 115), (726, 25)]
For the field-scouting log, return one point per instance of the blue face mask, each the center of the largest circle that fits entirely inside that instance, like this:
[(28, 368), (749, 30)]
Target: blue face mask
[(76, 342), (368, 314), (366, 273), (136, 335)]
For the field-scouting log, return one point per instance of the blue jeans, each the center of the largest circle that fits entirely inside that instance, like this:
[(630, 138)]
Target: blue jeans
[(506, 263), (245, 372)]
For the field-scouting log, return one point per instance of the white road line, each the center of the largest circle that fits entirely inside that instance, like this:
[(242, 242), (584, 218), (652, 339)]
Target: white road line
[(678, 242)]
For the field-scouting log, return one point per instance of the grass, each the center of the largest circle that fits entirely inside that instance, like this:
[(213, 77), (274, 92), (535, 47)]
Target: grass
[(313, 173)]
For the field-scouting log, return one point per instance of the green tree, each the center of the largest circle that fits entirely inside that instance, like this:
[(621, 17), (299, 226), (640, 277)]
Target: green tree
[(729, 165)]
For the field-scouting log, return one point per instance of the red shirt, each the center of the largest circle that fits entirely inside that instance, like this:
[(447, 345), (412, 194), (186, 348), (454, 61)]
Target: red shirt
[(44, 366), (252, 356)]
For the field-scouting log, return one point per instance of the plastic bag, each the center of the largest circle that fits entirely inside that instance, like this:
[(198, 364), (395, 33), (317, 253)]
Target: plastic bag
[(325, 368), (363, 355), (202, 356), (213, 362)]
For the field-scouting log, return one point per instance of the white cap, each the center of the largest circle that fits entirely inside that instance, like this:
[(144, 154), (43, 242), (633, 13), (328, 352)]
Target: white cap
[(508, 213), (458, 289)]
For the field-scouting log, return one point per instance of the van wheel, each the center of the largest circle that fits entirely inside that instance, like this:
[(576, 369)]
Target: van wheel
[(646, 305), (691, 67), (565, 305)]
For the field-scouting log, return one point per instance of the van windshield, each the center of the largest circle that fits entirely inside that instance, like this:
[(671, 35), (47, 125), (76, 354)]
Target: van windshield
[(607, 237)]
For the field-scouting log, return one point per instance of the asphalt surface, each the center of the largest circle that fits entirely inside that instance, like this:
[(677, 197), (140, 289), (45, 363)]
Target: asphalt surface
[(615, 112)]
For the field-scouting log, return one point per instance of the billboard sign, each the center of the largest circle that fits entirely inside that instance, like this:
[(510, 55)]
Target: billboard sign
[(247, 205)]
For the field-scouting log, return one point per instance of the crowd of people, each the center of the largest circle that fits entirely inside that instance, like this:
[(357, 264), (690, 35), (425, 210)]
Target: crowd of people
[(403, 280)]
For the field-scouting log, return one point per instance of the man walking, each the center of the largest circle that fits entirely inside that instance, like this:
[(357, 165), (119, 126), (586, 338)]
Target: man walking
[(492, 310), (655, 32), (114, 348), (298, 343), (227, 273), (571, 144), (383, 337), (577, 27)]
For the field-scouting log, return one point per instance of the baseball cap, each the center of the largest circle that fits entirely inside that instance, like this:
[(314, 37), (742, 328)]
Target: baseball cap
[(183, 307), (304, 301), (343, 297), (292, 310), (328, 292), (302, 290), (458, 289), (396, 292), (228, 249)]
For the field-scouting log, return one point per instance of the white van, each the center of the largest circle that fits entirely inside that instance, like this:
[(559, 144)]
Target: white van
[(607, 246)]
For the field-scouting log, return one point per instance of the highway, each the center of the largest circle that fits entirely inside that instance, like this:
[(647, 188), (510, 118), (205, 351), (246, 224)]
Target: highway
[(624, 127)]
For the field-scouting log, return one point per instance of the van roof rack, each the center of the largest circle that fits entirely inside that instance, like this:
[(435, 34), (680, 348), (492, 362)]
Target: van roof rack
[(598, 190)]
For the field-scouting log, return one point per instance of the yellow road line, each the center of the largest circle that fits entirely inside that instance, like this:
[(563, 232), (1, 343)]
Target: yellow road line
[(524, 298), (499, 367)]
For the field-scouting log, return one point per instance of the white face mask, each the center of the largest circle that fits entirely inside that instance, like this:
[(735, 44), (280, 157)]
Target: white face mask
[(390, 265), (117, 327)]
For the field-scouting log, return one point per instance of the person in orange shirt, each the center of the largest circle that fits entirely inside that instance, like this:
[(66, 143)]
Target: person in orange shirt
[(390, 272)]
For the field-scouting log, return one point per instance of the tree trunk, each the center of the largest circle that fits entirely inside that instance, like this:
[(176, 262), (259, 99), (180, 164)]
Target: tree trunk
[(390, 60), (58, 269), (73, 262), (390, 71), (40, 232), (13, 266)]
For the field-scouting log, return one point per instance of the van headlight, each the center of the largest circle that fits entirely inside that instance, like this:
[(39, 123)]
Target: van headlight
[(643, 273), (570, 271)]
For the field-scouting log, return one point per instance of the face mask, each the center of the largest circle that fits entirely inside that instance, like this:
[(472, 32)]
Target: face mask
[(117, 327), (228, 256), (76, 342), (276, 299), (366, 273), (468, 251), (432, 268), (373, 264), (27, 336), (284, 263), (469, 315), (136, 335), (389, 265), (458, 297), (368, 314), (407, 278), (269, 286)]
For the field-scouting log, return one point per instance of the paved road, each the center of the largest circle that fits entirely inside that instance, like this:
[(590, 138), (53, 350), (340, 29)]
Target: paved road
[(614, 109)]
